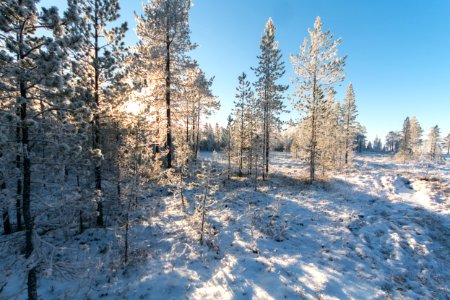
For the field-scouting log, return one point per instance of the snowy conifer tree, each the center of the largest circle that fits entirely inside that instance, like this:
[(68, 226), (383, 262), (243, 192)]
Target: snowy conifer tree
[(393, 140), (447, 143), (164, 33), (32, 64), (243, 93), (415, 136), (101, 50), (349, 113), (318, 68), (433, 142), (270, 94), (405, 150), (360, 138)]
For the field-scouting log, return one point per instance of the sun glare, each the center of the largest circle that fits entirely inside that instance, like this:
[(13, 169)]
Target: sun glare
[(133, 107)]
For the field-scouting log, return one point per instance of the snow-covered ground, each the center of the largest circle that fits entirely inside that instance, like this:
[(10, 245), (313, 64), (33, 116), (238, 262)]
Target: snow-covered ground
[(378, 230)]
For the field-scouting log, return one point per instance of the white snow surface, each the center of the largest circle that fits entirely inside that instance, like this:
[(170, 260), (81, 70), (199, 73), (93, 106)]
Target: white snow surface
[(377, 230)]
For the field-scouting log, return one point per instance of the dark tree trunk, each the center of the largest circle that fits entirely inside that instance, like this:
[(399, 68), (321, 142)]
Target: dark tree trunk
[(6, 222), (26, 173), (168, 111), (229, 152), (267, 148), (241, 146), (26, 199), (98, 170), (19, 182)]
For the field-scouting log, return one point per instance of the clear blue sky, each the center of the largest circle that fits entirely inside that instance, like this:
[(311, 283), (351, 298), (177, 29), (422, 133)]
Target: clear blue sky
[(398, 51)]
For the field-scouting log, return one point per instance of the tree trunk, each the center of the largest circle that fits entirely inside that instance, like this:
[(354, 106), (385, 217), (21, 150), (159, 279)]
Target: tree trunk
[(250, 155), (347, 136), (168, 112), (26, 173), (32, 280), (19, 181), (97, 171), (256, 171), (197, 138), (312, 163), (264, 146), (267, 148), (229, 152), (6, 222), (241, 146)]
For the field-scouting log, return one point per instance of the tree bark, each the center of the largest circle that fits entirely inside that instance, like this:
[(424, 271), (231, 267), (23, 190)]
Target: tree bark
[(96, 129), (26, 173), (19, 181), (26, 198), (241, 149), (197, 138), (5, 214), (312, 163), (168, 111)]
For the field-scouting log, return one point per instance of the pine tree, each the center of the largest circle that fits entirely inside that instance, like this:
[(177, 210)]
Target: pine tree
[(393, 140), (415, 136), (433, 142), (318, 68), (349, 113), (447, 143), (405, 143), (204, 104), (243, 94), (253, 117), (229, 144), (377, 146), (270, 94), (360, 138), (330, 139), (31, 68), (164, 33), (101, 50)]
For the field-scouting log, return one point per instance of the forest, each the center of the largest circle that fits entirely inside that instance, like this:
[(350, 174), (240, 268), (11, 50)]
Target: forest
[(116, 183)]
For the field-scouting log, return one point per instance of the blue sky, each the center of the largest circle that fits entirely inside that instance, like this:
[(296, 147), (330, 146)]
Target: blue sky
[(398, 51)]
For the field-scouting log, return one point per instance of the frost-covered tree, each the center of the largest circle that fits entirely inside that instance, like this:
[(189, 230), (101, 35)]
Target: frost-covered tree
[(411, 139), (229, 144), (393, 140), (243, 94), (447, 143), (405, 142), (433, 142), (97, 61), (415, 136), (377, 146), (270, 69), (318, 68), (349, 114), (204, 104), (33, 53), (165, 40), (331, 147), (360, 138)]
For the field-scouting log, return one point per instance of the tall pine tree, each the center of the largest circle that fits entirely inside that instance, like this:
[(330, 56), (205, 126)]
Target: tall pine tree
[(165, 40), (318, 68), (349, 114), (270, 94)]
